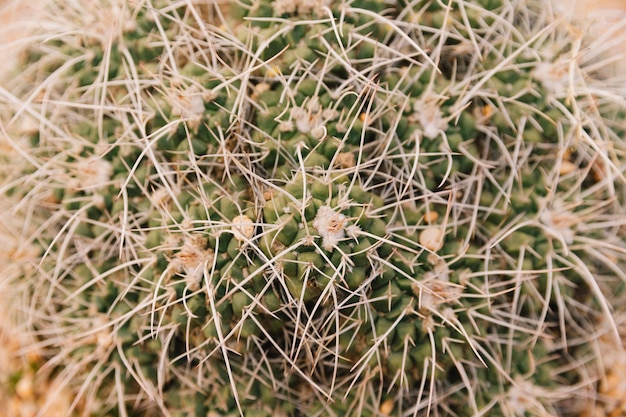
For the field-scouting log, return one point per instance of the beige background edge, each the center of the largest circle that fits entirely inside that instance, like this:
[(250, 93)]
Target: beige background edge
[(16, 18), (25, 396)]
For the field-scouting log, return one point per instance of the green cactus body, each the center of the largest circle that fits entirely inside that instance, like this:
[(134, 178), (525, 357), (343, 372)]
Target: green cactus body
[(317, 208)]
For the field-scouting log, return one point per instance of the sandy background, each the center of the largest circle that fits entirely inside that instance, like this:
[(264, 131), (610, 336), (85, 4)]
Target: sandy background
[(22, 392)]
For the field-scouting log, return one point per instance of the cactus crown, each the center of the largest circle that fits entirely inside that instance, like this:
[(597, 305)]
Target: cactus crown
[(317, 208)]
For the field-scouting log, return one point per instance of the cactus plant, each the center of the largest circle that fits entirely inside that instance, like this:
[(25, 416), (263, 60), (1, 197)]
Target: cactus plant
[(312, 208)]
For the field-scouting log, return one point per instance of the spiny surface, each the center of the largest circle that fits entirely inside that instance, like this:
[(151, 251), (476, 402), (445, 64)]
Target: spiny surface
[(317, 208)]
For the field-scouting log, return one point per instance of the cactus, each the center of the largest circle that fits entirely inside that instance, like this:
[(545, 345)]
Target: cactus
[(316, 208)]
